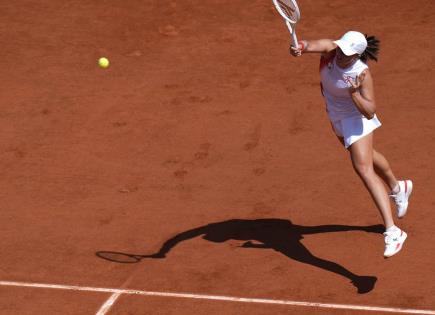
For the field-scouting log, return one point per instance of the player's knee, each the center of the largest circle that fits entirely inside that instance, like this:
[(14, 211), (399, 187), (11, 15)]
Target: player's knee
[(364, 170)]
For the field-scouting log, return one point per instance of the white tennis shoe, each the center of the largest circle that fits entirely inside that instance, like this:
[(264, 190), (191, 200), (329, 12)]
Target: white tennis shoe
[(394, 242), (402, 197)]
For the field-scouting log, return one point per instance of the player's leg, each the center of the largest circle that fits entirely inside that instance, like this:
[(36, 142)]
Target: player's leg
[(383, 169), (361, 153), (400, 190)]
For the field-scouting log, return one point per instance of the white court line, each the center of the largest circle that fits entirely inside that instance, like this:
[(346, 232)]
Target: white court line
[(112, 299), (218, 298), (109, 303)]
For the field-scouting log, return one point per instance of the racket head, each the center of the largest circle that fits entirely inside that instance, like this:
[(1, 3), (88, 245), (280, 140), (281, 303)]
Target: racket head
[(288, 9), (118, 257)]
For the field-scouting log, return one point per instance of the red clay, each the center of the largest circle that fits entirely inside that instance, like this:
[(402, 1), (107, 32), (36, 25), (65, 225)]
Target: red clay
[(203, 117)]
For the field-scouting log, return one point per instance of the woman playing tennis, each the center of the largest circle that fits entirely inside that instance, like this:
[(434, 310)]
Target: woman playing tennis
[(347, 87)]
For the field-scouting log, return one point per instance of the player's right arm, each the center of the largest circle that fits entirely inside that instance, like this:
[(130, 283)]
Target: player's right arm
[(322, 46)]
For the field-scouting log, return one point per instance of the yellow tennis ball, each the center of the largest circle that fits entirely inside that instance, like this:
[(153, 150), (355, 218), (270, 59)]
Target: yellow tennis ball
[(103, 62)]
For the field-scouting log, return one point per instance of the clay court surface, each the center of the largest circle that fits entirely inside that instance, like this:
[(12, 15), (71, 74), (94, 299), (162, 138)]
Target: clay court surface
[(204, 135)]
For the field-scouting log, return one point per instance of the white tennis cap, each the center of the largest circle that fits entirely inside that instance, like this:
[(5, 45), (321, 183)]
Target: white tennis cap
[(352, 43)]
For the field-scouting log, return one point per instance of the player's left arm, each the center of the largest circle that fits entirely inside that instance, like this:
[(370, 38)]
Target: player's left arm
[(363, 94)]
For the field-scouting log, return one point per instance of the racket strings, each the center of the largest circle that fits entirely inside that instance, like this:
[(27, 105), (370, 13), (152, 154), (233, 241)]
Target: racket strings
[(289, 9)]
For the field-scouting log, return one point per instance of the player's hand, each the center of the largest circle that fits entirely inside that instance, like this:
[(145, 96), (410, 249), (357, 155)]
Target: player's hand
[(297, 51), (356, 84)]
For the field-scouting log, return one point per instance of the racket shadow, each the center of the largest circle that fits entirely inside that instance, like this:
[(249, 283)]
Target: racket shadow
[(122, 258), (278, 234)]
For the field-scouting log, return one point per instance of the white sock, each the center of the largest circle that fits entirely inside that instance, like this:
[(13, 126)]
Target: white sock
[(392, 228)]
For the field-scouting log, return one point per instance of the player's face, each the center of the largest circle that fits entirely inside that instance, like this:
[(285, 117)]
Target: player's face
[(344, 61)]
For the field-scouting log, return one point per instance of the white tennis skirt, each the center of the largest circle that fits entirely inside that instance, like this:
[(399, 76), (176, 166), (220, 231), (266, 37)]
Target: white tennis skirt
[(354, 128)]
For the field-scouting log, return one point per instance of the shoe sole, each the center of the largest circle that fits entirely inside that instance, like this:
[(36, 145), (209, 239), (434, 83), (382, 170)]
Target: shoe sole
[(404, 237), (408, 194)]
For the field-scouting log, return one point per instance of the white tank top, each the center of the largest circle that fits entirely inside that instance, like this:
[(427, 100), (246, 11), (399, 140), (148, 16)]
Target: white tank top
[(335, 88)]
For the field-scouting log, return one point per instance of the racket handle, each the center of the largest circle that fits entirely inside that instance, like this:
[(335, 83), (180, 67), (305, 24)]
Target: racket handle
[(292, 30), (295, 40)]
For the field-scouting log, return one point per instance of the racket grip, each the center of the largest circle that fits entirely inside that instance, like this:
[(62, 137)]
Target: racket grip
[(295, 40)]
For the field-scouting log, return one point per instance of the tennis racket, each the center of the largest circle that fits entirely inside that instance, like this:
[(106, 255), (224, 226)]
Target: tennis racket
[(289, 10)]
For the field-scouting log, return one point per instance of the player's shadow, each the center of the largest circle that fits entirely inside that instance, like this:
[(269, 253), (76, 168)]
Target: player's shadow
[(278, 234)]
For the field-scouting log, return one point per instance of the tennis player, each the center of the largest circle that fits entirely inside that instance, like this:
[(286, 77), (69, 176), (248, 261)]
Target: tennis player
[(347, 87)]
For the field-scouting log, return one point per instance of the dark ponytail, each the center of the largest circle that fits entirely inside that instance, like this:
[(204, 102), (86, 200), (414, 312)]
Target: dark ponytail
[(372, 50)]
